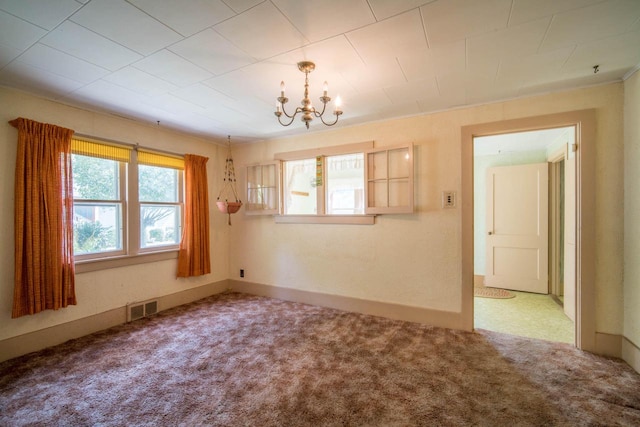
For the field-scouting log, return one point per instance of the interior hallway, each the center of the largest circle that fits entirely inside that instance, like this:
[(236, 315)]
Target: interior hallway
[(527, 315)]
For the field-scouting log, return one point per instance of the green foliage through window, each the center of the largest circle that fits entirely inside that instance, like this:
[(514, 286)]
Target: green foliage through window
[(92, 237), (95, 178)]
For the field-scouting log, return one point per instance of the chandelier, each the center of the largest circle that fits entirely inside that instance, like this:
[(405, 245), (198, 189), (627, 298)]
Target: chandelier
[(307, 110)]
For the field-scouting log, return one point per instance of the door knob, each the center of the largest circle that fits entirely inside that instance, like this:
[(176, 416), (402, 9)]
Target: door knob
[(490, 233)]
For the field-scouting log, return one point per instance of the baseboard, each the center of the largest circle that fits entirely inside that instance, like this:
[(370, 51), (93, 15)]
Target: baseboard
[(37, 340), (631, 354), (408, 313), (608, 344), (194, 294)]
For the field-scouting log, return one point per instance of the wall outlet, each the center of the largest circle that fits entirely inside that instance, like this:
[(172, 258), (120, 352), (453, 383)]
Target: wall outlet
[(242, 272)]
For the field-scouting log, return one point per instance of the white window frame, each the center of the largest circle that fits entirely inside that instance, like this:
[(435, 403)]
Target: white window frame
[(370, 211), (179, 203), (122, 200), (371, 178), (255, 209), (132, 252)]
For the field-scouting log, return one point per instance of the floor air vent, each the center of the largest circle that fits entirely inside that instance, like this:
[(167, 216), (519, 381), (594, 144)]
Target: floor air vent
[(141, 309)]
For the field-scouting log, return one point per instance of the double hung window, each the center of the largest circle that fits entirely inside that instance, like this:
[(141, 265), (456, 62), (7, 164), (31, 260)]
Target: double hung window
[(99, 193), (160, 200), (126, 202)]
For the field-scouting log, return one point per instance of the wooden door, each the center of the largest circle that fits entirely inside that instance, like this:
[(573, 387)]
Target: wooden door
[(517, 228)]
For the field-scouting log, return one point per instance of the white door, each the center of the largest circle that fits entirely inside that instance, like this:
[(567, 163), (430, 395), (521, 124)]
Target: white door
[(517, 228)]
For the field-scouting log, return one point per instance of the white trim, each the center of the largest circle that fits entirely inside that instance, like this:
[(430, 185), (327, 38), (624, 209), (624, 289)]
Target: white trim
[(333, 150), (585, 122), (47, 337), (407, 313), (86, 266), (631, 72), (608, 344), (631, 354), (325, 219)]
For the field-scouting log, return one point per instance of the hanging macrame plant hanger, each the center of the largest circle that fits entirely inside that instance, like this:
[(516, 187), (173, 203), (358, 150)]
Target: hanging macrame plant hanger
[(229, 188)]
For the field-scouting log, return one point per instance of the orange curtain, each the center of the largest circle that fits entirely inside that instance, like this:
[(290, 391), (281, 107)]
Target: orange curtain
[(193, 258), (44, 268)]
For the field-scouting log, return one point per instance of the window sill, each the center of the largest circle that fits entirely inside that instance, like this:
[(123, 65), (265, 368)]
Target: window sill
[(326, 219), (86, 266)]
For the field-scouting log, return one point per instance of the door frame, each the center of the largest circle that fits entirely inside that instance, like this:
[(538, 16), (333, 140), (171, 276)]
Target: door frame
[(585, 140), (555, 225)]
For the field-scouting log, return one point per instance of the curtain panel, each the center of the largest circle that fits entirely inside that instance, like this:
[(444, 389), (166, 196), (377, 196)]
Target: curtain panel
[(44, 266), (194, 257)]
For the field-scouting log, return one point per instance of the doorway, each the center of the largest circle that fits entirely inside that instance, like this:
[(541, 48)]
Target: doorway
[(519, 230), (584, 122)]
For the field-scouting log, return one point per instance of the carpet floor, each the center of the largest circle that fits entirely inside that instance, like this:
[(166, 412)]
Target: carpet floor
[(240, 360)]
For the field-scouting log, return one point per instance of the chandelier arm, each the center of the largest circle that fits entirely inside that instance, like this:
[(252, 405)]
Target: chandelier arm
[(290, 121), (292, 115), (315, 112), (330, 124)]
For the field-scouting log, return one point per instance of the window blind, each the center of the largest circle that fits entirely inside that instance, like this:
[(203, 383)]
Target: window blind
[(151, 158), (83, 147)]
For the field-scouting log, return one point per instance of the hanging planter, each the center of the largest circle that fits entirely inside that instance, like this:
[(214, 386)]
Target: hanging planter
[(229, 207), (229, 190)]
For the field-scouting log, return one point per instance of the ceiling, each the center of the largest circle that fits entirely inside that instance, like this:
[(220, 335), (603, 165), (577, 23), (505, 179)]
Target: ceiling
[(213, 67)]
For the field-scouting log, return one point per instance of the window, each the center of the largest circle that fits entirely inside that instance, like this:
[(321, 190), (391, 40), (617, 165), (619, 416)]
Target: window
[(344, 184), (262, 189), (117, 216), (98, 202), (390, 180), (300, 187), (160, 201), (326, 185), (99, 189)]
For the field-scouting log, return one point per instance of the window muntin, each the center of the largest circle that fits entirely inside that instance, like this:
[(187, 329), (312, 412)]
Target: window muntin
[(98, 215), (159, 197), (390, 180)]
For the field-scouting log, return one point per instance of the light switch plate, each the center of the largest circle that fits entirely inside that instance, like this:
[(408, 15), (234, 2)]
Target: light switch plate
[(448, 199)]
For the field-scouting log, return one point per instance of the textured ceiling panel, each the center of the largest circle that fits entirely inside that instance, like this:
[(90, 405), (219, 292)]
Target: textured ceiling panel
[(186, 18), (214, 67)]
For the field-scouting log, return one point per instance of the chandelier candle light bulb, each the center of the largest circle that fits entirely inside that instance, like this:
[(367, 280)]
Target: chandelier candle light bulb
[(337, 105), (307, 110)]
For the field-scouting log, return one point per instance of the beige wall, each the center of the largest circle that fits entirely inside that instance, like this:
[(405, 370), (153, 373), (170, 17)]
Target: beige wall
[(412, 260), (415, 260), (632, 209), (101, 291)]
